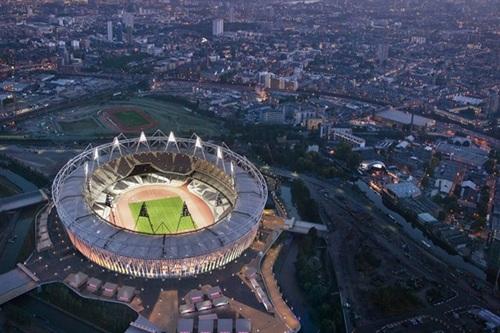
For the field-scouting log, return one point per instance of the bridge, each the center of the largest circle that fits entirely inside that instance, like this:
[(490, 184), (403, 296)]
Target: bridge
[(303, 227), (16, 282), (22, 200)]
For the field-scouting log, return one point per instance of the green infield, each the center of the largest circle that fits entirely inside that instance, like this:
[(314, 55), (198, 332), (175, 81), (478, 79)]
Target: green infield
[(86, 124), (131, 118), (161, 216)]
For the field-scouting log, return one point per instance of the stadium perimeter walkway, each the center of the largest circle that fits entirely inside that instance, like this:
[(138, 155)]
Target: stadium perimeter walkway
[(282, 309), (166, 311)]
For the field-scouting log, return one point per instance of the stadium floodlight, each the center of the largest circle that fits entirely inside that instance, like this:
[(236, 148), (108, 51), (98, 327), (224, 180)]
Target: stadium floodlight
[(172, 139), (86, 169), (142, 137), (232, 171), (143, 140), (116, 145), (198, 145), (220, 157), (96, 155)]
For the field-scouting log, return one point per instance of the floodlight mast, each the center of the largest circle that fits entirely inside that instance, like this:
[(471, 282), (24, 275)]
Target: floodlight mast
[(199, 145), (173, 140), (116, 145)]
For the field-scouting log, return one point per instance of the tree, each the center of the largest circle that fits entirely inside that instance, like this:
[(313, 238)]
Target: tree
[(344, 153)]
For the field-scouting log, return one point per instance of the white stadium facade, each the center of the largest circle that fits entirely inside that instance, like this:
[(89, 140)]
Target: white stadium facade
[(86, 189)]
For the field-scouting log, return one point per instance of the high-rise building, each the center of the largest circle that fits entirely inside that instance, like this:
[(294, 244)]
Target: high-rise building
[(217, 27), (110, 31), (119, 32), (128, 20), (75, 44), (493, 102), (231, 13), (382, 52), (493, 260)]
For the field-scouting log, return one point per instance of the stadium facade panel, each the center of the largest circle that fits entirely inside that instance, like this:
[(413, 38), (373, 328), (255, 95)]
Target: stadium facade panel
[(84, 189)]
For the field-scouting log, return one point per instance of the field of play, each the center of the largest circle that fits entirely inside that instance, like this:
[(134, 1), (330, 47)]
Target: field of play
[(161, 216)]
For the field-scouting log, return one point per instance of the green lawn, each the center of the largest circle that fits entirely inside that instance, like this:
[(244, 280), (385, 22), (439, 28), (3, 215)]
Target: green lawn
[(164, 216), (85, 124), (131, 118)]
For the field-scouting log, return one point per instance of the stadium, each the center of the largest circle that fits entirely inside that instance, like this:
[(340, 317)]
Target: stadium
[(159, 206)]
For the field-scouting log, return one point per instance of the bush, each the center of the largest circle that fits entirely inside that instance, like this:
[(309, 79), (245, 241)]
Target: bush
[(394, 300), (306, 206)]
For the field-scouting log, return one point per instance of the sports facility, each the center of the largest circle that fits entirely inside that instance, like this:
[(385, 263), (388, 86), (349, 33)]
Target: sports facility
[(160, 206)]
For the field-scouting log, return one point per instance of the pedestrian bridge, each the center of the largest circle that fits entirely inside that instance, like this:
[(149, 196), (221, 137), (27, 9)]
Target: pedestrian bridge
[(22, 200), (303, 227), (16, 282)]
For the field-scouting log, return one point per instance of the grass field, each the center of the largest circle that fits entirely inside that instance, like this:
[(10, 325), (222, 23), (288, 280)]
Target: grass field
[(85, 125), (164, 215), (131, 118)]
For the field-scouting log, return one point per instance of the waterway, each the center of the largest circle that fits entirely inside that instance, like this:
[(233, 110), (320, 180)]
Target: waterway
[(286, 275), (418, 236), (286, 196), (20, 225)]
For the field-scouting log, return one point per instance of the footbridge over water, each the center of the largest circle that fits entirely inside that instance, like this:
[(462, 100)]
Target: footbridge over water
[(16, 282)]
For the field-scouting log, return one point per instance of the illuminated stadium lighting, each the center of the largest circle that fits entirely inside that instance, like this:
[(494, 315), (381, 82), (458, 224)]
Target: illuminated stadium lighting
[(198, 143), (142, 138), (85, 206), (86, 169), (220, 157), (171, 138)]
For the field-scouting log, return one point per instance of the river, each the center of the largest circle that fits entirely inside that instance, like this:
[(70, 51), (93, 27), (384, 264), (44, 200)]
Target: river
[(286, 196)]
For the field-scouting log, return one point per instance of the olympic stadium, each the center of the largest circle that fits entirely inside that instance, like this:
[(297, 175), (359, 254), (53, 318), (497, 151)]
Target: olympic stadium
[(159, 206)]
